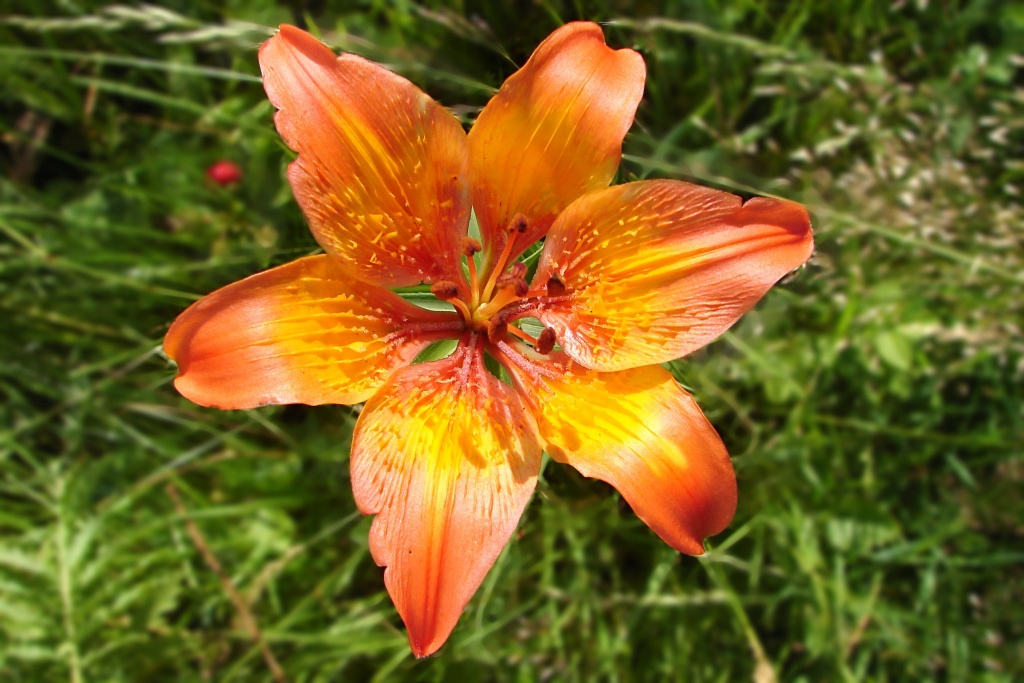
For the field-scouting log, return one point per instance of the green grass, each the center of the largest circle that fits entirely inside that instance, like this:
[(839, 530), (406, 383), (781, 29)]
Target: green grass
[(872, 403)]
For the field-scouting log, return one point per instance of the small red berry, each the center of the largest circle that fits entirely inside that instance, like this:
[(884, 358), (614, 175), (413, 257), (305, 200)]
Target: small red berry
[(224, 173)]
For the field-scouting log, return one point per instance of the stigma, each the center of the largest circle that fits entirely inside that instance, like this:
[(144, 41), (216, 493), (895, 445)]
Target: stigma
[(500, 295)]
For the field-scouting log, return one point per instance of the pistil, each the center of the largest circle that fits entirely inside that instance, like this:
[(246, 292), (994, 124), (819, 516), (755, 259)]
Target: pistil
[(516, 279), (491, 308), (503, 298)]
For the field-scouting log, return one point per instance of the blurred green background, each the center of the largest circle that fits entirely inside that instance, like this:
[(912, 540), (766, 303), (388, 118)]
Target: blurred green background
[(872, 402)]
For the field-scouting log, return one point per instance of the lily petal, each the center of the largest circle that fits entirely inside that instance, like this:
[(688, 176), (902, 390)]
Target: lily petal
[(553, 132), (656, 269), (639, 431), (381, 172), (446, 456), (300, 333)]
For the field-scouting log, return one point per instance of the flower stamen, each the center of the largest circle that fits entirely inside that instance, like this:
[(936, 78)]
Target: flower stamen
[(555, 286), (496, 330), (470, 248), (512, 329), (446, 290), (545, 342), (515, 228)]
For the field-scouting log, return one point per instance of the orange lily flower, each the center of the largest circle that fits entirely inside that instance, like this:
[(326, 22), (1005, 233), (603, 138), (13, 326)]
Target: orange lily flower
[(446, 454)]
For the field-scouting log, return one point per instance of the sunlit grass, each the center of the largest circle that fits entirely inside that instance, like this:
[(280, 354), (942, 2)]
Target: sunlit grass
[(872, 403)]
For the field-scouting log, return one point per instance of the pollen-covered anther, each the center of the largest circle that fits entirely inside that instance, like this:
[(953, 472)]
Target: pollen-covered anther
[(445, 290), (518, 224), (555, 286), (470, 247), (545, 342), (496, 329)]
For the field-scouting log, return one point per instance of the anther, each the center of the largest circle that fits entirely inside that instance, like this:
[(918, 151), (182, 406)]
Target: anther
[(470, 247), (518, 223), (496, 329), (445, 290), (555, 286), (497, 326), (545, 342)]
